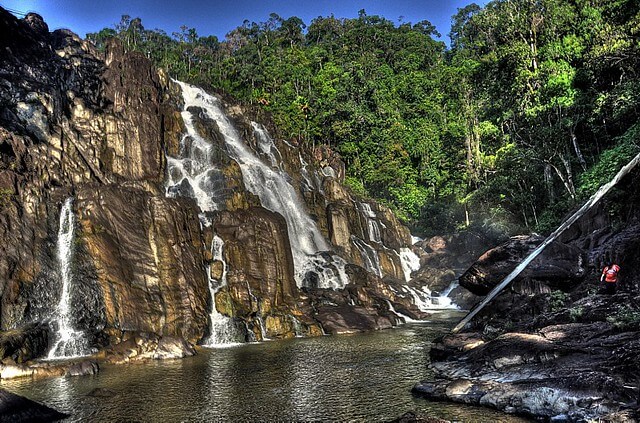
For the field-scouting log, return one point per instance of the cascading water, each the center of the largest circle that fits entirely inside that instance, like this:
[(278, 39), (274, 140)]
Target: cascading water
[(410, 262), (308, 183), (372, 223), (223, 332), (426, 301), (369, 256), (406, 318), (423, 298), (69, 342), (453, 285), (313, 266), (194, 173), (263, 328), (266, 144)]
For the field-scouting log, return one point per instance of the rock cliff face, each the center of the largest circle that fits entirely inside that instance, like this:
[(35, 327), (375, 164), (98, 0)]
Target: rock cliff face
[(75, 124), (101, 127)]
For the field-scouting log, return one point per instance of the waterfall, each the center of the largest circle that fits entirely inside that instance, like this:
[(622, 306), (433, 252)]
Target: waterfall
[(263, 329), (369, 255), (310, 185), (415, 239), (410, 262), (577, 215), (313, 266), (297, 327), (372, 223), (223, 332), (69, 342), (266, 144), (453, 285), (426, 301), (193, 174), (404, 317)]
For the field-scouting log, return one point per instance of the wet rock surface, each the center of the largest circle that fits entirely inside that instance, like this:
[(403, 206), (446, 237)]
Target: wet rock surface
[(25, 343), (553, 345), (17, 409), (147, 254), (141, 346)]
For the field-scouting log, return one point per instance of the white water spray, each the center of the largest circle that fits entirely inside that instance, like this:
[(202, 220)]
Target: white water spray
[(453, 285), (410, 262), (193, 174), (266, 145), (427, 302), (69, 341), (223, 332), (276, 194), (369, 255)]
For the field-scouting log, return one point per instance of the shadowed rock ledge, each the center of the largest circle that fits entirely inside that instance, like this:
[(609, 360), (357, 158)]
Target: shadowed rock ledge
[(17, 409), (553, 345)]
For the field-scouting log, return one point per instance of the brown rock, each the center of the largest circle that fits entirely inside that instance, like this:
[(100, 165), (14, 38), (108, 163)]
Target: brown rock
[(161, 286)]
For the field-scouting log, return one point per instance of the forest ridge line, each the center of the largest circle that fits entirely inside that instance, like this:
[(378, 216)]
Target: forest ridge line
[(529, 111)]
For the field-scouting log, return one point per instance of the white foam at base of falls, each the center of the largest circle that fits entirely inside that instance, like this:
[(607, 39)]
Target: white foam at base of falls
[(276, 194), (69, 342), (427, 302), (223, 332)]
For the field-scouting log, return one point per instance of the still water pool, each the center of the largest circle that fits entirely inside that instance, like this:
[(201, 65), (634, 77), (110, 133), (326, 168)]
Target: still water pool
[(349, 378)]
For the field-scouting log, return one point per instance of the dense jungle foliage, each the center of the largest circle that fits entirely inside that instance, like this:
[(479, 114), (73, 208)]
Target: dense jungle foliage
[(532, 107)]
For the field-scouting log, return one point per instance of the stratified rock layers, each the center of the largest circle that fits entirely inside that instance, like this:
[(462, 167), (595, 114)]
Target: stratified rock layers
[(97, 127)]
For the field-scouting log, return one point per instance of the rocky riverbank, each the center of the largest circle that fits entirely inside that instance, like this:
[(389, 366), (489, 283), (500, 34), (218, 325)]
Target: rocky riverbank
[(553, 345)]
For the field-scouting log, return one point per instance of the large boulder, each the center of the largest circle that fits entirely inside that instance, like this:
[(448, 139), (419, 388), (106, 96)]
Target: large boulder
[(338, 319), (141, 346), (559, 266), (17, 409), (561, 372), (24, 343)]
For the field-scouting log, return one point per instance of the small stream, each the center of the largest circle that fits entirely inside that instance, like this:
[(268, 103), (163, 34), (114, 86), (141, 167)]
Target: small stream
[(362, 377)]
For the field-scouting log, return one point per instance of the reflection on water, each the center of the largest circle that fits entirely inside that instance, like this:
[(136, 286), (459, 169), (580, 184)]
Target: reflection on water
[(363, 377)]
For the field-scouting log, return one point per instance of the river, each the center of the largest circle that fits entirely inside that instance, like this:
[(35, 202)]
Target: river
[(363, 377)]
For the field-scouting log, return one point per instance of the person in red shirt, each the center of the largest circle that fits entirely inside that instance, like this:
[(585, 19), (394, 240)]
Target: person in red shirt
[(610, 277)]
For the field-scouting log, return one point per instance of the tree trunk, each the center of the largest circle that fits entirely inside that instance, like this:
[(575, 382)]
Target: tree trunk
[(576, 147), (566, 180)]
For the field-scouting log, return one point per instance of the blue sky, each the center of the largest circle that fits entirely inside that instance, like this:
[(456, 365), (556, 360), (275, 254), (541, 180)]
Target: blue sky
[(219, 17)]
